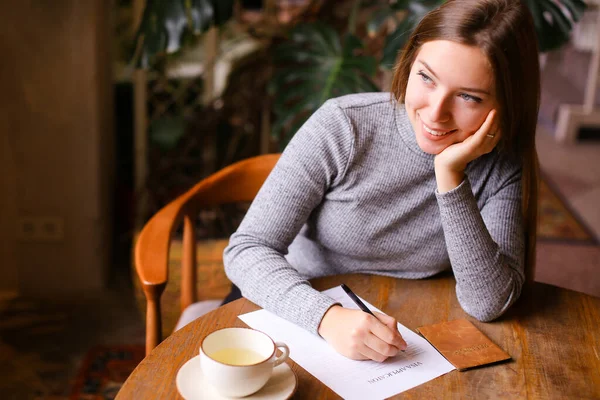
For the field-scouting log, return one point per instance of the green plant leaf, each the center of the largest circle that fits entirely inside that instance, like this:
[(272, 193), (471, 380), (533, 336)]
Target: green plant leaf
[(378, 18), (553, 27), (396, 40), (399, 5), (414, 12), (576, 8), (223, 11), (315, 65), (368, 65), (302, 108), (319, 37), (418, 8), (287, 77), (165, 132), (150, 36), (321, 32), (201, 14), (164, 22), (175, 21)]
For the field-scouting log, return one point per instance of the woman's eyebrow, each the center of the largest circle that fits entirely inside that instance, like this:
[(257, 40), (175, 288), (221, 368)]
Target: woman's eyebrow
[(466, 89)]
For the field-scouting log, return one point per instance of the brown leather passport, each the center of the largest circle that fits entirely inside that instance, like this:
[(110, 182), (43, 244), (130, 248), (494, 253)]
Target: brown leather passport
[(462, 344)]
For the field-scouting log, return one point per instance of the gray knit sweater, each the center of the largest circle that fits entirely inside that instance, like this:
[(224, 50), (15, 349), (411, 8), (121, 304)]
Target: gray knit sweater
[(354, 193)]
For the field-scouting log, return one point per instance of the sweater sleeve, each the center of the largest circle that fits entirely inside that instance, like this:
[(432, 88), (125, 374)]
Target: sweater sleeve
[(314, 161), (486, 247)]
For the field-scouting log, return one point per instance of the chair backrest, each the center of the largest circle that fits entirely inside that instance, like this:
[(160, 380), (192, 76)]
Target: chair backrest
[(238, 182)]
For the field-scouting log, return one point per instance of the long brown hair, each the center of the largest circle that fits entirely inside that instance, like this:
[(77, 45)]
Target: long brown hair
[(505, 33)]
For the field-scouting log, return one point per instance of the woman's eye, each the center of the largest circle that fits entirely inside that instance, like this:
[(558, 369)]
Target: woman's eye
[(424, 77), (468, 97)]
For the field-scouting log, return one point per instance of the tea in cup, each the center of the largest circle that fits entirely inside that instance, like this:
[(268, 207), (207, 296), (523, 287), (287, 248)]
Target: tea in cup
[(239, 361)]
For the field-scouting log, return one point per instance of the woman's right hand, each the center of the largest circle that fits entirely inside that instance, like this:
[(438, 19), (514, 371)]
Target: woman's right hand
[(359, 335)]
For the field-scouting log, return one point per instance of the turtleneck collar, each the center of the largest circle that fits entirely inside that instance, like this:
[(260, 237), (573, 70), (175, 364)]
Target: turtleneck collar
[(407, 132)]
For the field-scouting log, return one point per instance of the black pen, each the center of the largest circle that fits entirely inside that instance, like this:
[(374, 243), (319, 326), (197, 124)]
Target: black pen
[(356, 300), (359, 303)]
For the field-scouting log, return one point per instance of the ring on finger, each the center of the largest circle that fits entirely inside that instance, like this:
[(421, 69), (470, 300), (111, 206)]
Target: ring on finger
[(490, 135)]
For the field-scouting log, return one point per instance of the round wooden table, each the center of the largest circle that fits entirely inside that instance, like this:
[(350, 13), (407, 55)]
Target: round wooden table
[(552, 334)]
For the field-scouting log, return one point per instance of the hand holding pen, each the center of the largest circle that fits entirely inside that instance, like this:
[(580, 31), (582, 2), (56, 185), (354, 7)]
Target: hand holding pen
[(360, 304), (361, 334)]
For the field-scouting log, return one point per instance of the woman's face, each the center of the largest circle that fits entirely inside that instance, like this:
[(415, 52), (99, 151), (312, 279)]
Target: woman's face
[(450, 92)]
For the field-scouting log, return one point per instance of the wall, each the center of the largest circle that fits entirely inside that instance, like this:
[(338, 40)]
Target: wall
[(57, 141), (8, 211)]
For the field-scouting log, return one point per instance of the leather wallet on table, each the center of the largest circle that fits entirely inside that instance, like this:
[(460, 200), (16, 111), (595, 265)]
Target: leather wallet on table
[(462, 344)]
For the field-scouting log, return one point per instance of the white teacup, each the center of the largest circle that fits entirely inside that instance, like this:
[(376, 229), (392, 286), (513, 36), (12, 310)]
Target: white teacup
[(239, 361)]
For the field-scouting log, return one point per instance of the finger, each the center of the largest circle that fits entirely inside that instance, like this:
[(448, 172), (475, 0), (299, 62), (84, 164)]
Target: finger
[(380, 346), (368, 343), (492, 138), (358, 355), (493, 141), (391, 335), (487, 136), (489, 125), (375, 349), (368, 353)]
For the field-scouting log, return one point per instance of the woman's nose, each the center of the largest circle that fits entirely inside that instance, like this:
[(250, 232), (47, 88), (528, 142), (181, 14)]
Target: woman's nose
[(439, 110)]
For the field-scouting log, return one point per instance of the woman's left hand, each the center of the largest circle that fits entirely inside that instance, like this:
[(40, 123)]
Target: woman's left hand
[(450, 164)]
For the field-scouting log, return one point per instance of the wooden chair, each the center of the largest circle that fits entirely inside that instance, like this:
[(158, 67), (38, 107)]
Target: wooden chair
[(239, 182)]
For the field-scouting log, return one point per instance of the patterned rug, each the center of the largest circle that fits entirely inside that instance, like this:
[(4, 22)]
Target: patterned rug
[(44, 348), (32, 363), (104, 370), (557, 221), (41, 357)]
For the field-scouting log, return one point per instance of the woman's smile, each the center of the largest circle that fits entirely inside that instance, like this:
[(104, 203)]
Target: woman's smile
[(435, 132)]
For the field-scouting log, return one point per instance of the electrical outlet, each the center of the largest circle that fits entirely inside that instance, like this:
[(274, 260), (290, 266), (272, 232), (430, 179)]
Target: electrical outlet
[(40, 229), (26, 228)]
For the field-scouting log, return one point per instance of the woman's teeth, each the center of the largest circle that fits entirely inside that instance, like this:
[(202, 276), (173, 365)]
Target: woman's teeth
[(437, 133)]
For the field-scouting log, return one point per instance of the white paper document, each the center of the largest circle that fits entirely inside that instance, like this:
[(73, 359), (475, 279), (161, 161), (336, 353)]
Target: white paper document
[(349, 378)]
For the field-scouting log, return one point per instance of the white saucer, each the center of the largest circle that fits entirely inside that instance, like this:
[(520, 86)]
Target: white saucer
[(192, 385)]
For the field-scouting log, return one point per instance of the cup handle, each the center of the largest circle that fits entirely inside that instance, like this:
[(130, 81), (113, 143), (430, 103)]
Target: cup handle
[(286, 353)]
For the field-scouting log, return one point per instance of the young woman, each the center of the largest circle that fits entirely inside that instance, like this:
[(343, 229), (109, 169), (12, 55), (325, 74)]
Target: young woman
[(442, 174)]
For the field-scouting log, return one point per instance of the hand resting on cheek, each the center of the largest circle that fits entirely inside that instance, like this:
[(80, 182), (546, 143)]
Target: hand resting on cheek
[(450, 164)]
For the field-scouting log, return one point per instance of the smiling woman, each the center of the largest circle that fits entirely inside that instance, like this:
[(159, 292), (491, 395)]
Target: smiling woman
[(448, 106), (440, 174), (493, 45)]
